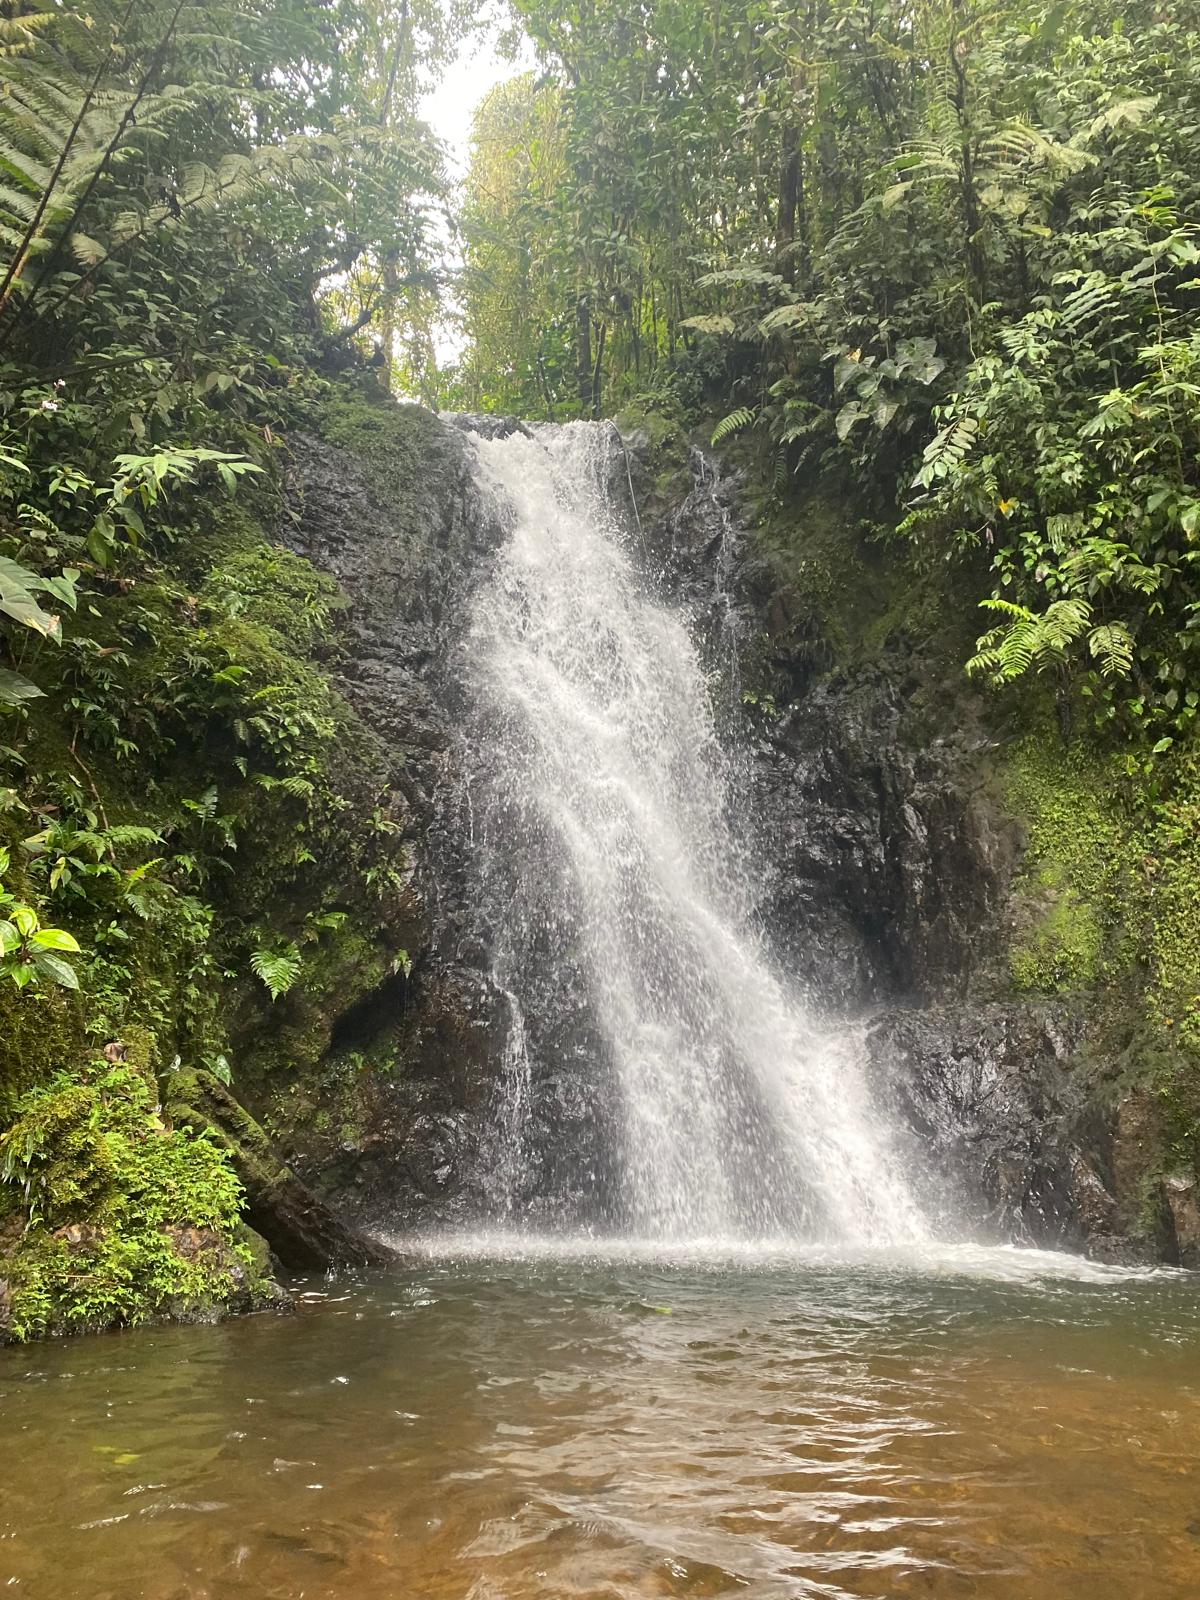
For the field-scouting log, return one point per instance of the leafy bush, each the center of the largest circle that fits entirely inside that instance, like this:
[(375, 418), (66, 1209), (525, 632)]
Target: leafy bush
[(27, 950)]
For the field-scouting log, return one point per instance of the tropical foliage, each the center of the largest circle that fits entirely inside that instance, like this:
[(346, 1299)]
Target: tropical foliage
[(204, 209), (950, 246)]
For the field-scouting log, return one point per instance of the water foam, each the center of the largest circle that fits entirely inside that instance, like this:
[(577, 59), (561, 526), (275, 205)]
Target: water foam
[(996, 1263)]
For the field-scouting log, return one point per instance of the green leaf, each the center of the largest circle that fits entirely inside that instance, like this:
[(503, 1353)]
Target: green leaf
[(55, 968), (851, 413), (733, 423), (99, 547), (17, 586), (15, 690), (54, 939), (719, 324)]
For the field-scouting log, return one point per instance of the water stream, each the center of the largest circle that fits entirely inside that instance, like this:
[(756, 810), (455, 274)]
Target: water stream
[(624, 872)]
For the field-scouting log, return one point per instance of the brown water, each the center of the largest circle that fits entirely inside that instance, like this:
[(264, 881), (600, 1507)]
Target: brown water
[(558, 1428)]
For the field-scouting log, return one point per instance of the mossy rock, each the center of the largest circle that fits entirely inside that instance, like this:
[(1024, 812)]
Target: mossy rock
[(114, 1218), (1074, 911), (42, 1031), (302, 1230)]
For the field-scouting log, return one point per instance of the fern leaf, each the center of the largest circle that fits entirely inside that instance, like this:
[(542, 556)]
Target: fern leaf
[(278, 969), (1112, 645), (758, 277), (715, 324), (743, 417)]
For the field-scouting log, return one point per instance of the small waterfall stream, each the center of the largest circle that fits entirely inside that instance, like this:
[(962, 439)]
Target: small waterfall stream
[(619, 887)]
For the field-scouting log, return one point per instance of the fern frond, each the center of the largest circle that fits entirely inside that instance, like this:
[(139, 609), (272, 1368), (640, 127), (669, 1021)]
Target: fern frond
[(715, 324), (278, 969), (743, 417), (756, 276), (1027, 639), (1112, 645)]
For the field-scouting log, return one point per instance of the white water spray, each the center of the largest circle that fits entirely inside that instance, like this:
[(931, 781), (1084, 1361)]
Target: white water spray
[(737, 1116)]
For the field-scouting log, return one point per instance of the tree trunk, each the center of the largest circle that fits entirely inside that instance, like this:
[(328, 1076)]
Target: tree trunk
[(789, 194), (975, 263), (598, 371), (301, 1229), (387, 331), (583, 353)]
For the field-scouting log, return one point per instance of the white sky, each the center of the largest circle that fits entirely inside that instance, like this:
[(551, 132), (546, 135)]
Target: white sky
[(449, 109), (479, 67)]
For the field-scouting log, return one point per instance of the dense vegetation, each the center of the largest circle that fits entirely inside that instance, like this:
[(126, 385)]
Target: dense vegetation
[(202, 212), (934, 259), (950, 246)]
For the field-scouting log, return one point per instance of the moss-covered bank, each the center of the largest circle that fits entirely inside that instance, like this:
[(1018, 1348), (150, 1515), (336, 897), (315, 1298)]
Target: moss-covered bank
[(198, 802)]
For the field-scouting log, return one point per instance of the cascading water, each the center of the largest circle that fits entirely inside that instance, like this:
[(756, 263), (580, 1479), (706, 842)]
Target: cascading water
[(618, 888)]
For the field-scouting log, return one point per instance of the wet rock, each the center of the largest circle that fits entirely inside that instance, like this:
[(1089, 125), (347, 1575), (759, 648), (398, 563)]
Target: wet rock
[(79, 1236), (1005, 1126), (884, 861), (302, 1230), (1182, 1196), (487, 427)]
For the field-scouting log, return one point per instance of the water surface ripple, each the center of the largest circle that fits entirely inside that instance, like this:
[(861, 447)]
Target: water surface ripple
[(622, 1428)]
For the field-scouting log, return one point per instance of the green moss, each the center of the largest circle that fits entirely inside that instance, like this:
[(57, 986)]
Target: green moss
[(1172, 867), (121, 1218), (1062, 950), (1075, 895), (41, 1032), (1109, 901), (659, 437), (197, 699), (274, 588), (404, 449)]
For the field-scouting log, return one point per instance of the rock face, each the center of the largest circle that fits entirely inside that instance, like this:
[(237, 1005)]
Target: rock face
[(884, 858), (990, 1092), (398, 519), (886, 866)]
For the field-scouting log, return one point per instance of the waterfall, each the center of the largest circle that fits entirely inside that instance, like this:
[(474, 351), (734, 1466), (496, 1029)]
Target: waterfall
[(617, 871)]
